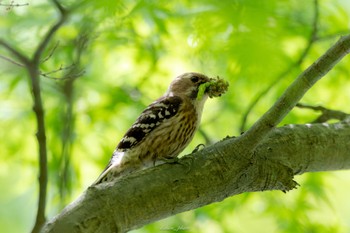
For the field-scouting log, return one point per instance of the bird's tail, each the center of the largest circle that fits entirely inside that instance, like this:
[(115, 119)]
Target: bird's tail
[(112, 170), (104, 176)]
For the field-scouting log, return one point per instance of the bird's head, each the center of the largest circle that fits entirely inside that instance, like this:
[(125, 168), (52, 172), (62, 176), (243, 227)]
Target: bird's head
[(187, 85)]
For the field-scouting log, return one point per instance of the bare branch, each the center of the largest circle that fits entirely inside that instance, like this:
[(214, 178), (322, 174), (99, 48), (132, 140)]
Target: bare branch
[(70, 76), (51, 53), (327, 114), (47, 38), (22, 58), (39, 111), (59, 7), (12, 61), (62, 68), (296, 91), (332, 36), (298, 62), (13, 4), (71, 72)]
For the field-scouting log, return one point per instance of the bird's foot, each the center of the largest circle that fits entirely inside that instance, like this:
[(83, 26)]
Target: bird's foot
[(186, 162), (174, 160), (198, 148)]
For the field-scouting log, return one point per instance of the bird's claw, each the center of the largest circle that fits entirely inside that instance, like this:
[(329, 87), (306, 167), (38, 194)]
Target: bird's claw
[(184, 162), (174, 160), (198, 147)]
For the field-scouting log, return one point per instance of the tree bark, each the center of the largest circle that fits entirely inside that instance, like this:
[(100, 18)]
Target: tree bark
[(208, 176)]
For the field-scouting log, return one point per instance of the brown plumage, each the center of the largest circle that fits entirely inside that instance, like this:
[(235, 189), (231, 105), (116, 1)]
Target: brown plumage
[(163, 129)]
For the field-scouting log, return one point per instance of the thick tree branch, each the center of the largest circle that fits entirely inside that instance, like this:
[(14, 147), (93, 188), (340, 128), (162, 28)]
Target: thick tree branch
[(296, 91), (313, 37), (41, 138), (34, 74), (217, 172)]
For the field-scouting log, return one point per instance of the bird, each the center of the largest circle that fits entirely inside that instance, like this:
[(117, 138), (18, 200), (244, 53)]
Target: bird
[(162, 131)]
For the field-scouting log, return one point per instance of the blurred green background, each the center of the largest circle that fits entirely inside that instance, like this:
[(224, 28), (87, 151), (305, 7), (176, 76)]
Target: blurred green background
[(128, 52)]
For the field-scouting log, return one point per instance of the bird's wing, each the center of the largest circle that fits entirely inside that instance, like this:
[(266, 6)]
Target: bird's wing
[(160, 110)]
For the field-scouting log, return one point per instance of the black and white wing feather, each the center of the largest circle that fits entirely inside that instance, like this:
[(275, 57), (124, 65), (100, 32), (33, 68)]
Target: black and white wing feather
[(160, 110), (153, 116)]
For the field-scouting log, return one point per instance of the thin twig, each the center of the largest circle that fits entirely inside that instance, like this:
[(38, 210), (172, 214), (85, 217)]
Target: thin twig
[(42, 46), (51, 53), (13, 4), (21, 57), (46, 75), (12, 61), (333, 35), (62, 68), (327, 114), (70, 76)]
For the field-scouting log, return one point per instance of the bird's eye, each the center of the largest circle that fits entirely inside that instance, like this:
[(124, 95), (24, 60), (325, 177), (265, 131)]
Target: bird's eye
[(194, 79)]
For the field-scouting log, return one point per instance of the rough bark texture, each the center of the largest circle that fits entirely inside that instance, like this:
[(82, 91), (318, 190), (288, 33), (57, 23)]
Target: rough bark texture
[(211, 175)]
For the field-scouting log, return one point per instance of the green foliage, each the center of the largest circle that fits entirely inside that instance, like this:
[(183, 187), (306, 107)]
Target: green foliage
[(128, 52)]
